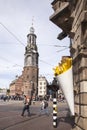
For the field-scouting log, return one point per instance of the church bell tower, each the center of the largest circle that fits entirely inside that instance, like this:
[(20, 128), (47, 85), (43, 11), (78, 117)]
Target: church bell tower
[(30, 72)]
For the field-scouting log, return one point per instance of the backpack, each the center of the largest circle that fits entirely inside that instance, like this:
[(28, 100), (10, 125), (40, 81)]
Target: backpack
[(45, 104)]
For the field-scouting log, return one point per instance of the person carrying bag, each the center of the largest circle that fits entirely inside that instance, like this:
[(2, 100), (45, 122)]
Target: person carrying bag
[(27, 103)]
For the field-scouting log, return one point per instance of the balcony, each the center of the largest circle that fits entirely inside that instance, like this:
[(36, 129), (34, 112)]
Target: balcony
[(62, 16)]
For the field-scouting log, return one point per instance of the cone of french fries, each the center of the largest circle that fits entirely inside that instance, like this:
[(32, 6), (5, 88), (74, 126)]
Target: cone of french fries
[(63, 73)]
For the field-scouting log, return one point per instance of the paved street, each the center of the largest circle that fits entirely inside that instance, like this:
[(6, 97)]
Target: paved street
[(10, 117)]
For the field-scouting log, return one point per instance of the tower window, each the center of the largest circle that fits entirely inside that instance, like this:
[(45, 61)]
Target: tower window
[(27, 76), (59, 4), (25, 86), (30, 39)]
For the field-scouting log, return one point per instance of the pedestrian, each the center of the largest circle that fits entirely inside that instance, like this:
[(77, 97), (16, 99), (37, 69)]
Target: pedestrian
[(27, 103), (44, 107), (41, 107)]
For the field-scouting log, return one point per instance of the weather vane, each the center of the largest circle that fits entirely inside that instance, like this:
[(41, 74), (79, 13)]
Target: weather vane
[(32, 21)]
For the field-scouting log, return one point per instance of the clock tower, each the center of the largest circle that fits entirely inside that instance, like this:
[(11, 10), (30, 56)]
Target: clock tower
[(30, 72)]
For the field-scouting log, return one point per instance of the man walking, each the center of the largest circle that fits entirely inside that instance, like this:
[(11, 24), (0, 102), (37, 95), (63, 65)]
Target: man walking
[(27, 103), (46, 107)]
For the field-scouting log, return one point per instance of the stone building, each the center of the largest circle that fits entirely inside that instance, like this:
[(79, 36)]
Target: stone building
[(71, 17), (27, 83)]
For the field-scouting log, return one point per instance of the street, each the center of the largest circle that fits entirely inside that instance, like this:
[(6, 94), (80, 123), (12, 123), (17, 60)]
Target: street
[(11, 119)]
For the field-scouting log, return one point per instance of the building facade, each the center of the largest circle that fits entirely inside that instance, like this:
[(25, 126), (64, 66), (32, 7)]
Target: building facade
[(12, 88), (16, 86), (3, 92), (71, 17), (42, 87)]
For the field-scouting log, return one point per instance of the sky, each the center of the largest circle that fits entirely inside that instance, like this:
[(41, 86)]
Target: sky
[(16, 18)]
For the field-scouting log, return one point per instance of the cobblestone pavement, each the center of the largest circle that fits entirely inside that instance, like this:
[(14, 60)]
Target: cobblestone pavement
[(10, 117)]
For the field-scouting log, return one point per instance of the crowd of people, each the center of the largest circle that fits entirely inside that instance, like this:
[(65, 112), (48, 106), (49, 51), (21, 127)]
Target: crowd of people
[(7, 97)]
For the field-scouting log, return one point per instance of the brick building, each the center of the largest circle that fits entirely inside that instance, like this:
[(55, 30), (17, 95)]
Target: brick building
[(71, 17), (16, 86)]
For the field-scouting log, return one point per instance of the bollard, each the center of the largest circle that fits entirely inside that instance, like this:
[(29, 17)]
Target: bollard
[(54, 87), (54, 112)]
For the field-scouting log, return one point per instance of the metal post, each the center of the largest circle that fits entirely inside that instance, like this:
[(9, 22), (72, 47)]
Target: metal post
[(54, 87), (54, 110)]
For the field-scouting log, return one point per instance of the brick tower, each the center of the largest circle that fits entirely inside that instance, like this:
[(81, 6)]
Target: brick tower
[(30, 71)]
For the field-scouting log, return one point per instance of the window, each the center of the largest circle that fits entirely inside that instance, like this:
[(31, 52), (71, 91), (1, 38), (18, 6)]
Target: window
[(44, 83), (59, 4), (27, 76), (40, 83)]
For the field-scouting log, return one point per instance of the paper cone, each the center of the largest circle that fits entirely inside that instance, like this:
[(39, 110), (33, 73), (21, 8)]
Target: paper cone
[(65, 81)]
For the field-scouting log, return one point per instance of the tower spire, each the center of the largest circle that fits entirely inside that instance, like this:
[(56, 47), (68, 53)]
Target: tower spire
[(32, 30)]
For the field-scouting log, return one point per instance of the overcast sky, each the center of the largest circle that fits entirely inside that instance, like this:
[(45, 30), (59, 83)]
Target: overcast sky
[(15, 22)]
